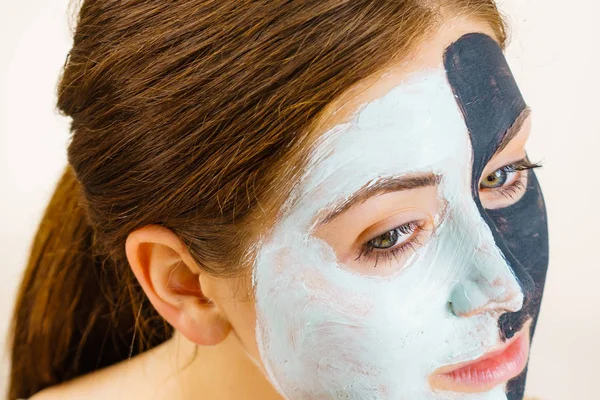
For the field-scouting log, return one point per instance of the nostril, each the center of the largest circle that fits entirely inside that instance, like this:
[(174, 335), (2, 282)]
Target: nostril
[(510, 323)]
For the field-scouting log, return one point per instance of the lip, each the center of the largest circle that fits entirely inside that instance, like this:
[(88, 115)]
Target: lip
[(488, 371)]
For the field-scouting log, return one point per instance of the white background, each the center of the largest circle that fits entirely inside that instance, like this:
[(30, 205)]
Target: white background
[(554, 55)]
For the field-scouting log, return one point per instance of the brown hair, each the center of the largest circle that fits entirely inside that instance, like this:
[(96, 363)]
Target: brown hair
[(185, 114)]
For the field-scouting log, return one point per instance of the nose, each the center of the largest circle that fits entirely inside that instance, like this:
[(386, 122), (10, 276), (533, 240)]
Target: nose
[(489, 286)]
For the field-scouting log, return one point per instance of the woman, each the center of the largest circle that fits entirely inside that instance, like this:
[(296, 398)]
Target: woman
[(286, 200)]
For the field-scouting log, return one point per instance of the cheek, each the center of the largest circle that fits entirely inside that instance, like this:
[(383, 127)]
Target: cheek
[(317, 318)]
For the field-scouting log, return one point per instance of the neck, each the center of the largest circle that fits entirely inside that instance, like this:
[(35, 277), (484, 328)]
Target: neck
[(223, 371)]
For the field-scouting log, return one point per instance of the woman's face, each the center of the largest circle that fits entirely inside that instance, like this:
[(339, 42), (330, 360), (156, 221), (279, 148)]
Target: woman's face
[(401, 267)]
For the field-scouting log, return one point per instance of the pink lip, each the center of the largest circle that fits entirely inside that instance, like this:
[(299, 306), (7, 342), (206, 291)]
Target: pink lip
[(490, 370)]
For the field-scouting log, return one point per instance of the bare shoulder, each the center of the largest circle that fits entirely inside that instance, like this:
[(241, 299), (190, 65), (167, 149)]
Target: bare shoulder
[(142, 376), (53, 393), (113, 382), (92, 386), (47, 394)]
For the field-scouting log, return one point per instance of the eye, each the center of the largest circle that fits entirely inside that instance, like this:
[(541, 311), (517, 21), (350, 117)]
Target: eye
[(505, 186), (394, 237), (394, 243)]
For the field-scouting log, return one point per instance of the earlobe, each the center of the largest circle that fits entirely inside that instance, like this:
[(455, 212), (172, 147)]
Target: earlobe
[(171, 280)]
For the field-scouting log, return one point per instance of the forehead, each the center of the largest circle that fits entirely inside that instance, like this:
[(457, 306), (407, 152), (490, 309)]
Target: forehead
[(406, 120), (414, 127), (428, 55)]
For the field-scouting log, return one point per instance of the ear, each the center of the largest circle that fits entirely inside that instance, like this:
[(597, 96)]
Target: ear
[(172, 281)]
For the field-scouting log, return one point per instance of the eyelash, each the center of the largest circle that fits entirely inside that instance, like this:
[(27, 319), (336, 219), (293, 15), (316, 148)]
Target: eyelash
[(416, 227)]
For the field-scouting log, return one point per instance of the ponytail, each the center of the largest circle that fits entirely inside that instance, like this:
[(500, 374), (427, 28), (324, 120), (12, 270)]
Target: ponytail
[(67, 320)]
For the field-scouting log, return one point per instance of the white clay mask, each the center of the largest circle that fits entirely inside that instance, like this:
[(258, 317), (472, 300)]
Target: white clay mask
[(326, 331)]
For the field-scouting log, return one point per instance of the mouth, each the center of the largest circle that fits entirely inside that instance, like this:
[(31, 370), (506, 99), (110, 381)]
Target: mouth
[(488, 371)]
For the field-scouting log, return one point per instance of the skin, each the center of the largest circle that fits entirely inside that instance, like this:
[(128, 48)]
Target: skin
[(214, 353)]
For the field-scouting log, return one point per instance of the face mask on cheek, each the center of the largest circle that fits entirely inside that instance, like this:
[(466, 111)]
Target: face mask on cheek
[(325, 331)]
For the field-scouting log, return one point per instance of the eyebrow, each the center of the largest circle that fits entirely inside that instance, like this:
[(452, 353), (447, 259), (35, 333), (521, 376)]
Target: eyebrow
[(514, 130), (382, 186)]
